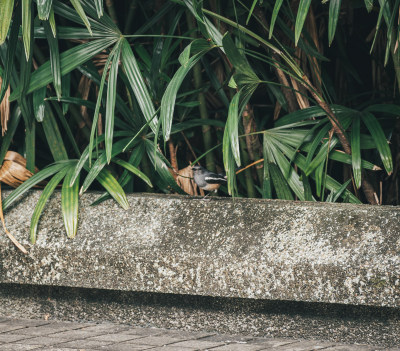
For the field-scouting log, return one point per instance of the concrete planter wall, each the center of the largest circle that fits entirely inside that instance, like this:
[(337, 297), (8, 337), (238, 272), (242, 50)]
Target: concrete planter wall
[(278, 250)]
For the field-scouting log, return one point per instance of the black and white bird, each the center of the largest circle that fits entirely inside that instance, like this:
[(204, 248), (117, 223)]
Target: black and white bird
[(207, 180)]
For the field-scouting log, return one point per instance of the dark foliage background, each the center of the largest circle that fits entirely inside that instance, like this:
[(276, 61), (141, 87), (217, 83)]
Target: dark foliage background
[(124, 96)]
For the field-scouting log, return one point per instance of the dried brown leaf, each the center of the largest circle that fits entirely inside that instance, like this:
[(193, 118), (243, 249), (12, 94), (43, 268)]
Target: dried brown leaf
[(249, 124), (172, 155), (84, 89), (13, 172), (277, 110), (12, 238), (301, 100), (5, 109), (184, 178)]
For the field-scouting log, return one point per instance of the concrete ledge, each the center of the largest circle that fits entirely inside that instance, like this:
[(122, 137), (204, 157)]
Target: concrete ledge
[(266, 318), (277, 250)]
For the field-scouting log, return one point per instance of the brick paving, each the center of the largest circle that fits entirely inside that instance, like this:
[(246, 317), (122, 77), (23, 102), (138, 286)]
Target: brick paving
[(27, 334)]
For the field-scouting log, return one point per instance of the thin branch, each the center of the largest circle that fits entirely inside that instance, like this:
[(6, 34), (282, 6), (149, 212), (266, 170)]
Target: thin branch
[(12, 238)]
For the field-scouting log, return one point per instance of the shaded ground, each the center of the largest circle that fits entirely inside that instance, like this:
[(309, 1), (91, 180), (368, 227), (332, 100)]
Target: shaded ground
[(30, 334)]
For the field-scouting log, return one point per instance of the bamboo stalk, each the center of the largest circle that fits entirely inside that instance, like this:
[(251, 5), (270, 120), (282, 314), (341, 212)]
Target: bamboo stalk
[(247, 172), (76, 115), (198, 83), (111, 11), (129, 17), (30, 139), (148, 170)]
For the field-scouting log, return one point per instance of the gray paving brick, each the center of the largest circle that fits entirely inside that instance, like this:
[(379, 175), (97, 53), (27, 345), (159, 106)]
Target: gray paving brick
[(145, 331), (355, 348), (71, 325), (11, 337), (239, 347), (272, 342), (27, 322), (85, 344), (20, 335), (107, 328), (126, 347), (305, 345), (118, 337), (158, 340), (171, 348), (197, 344), (77, 334), (228, 338), (45, 340), (6, 327), (41, 330), (186, 334), (18, 347)]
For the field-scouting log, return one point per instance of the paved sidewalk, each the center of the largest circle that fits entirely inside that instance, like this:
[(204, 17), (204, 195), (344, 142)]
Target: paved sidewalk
[(27, 334)]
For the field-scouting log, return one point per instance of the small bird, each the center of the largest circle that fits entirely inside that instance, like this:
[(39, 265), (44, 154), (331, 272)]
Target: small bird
[(207, 180)]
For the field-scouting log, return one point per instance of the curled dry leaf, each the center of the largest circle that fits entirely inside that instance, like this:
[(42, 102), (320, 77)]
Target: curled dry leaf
[(11, 237), (4, 109), (184, 178), (13, 172)]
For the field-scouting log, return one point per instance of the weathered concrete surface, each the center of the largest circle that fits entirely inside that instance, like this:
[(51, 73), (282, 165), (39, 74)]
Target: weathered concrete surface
[(259, 249), (254, 317)]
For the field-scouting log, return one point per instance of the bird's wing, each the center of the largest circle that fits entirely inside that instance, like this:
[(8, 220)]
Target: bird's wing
[(215, 179)]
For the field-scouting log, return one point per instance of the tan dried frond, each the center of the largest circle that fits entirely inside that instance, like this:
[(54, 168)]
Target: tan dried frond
[(302, 100), (13, 171), (315, 65), (172, 156), (100, 59), (277, 110), (84, 89), (12, 238), (5, 109), (252, 141), (184, 178)]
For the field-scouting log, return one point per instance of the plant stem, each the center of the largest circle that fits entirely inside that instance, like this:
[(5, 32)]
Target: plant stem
[(396, 65), (30, 147), (338, 129), (148, 170), (111, 11), (129, 17), (198, 83), (75, 113), (247, 173)]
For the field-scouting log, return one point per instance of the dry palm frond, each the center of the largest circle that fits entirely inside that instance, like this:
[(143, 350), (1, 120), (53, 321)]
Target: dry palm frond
[(302, 100), (277, 110), (172, 155), (252, 141), (12, 238), (313, 62), (13, 172), (4, 109), (84, 89), (184, 178), (250, 165)]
